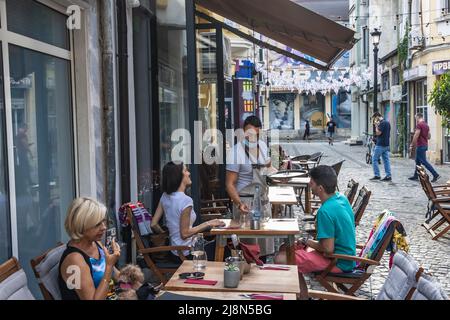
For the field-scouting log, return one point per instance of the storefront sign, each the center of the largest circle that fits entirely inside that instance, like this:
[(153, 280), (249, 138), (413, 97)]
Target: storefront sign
[(441, 67)]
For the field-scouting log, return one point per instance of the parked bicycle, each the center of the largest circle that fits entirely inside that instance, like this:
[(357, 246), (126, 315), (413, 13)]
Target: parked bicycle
[(370, 144)]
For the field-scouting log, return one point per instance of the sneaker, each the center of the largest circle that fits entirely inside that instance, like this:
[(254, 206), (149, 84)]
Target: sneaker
[(387, 179), (375, 178), (413, 178), (436, 178)]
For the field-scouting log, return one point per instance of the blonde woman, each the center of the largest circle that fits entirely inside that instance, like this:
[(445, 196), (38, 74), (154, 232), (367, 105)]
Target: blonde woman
[(86, 266)]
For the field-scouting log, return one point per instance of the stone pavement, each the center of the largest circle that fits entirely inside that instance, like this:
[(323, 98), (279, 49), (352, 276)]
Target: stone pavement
[(403, 197)]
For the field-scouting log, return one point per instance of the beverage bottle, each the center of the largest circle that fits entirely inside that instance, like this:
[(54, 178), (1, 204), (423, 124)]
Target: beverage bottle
[(256, 211), (198, 252)]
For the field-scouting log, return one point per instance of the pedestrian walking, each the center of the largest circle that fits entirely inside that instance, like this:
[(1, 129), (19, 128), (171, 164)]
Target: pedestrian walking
[(307, 131), (331, 126), (420, 141), (382, 132)]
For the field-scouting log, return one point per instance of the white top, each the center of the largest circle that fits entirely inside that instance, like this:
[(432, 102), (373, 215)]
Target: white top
[(237, 161), (173, 205)]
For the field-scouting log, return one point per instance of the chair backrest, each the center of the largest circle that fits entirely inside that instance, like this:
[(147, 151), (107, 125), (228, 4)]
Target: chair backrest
[(13, 282), (425, 182), (352, 188), (301, 157), (428, 289), (316, 157), (46, 269), (337, 167), (361, 203), (380, 237), (402, 278)]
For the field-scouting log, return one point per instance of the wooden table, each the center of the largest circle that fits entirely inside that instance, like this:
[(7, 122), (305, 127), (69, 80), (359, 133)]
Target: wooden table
[(282, 195), (277, 228), (256, 281), (303, 183), (219, 295)]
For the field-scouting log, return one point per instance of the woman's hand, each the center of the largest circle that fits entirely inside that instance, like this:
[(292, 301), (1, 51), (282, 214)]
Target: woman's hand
[(216, 223), (112, 258)]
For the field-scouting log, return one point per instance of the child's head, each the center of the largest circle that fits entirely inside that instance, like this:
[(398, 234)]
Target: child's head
[(132, 275)]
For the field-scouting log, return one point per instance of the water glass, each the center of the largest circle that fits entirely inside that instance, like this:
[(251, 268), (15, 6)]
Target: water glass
[(199, 260)]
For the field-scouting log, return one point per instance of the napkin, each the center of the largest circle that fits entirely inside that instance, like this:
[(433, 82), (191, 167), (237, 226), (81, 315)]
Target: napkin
[(274, 268), (201, 281)]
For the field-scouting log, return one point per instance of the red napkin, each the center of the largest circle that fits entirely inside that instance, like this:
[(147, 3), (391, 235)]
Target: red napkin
[(201, 281), (266, 297), (275, 268)]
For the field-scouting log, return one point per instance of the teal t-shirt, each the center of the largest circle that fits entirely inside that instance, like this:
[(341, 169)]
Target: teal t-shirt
[(335, 219)]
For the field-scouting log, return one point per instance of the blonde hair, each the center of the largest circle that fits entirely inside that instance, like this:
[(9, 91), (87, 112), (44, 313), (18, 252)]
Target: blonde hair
[(83, 214)]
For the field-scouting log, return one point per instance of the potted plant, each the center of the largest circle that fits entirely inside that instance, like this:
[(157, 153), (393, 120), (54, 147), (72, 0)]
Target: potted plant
[(231, 276)]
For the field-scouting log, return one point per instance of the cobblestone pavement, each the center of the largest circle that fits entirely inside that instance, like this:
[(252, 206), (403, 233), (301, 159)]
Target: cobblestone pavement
[(403, 197)]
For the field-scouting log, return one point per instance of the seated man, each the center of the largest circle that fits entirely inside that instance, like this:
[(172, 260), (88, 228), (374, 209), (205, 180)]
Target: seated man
[(335, 224)]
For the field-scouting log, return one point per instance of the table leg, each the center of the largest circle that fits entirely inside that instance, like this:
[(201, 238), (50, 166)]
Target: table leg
[(290, 250), (220, 248), (307, 200)]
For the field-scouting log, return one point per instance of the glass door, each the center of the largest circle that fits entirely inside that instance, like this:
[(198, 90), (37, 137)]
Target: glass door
[(5, 223)]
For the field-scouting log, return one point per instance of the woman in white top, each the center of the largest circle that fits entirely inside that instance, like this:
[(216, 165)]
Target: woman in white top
[(178, 210)]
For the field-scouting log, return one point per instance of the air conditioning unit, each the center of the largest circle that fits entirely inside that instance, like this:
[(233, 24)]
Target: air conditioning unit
[(207, 48)]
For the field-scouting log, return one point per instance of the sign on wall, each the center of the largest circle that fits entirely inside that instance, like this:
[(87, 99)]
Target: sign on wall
[(441, 67)]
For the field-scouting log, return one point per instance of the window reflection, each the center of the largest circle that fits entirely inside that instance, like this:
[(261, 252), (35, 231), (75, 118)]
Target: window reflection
[(5, 227), (43, 149)]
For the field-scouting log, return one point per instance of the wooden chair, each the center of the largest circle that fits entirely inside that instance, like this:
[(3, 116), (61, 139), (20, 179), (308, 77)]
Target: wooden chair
[(46, 269), (337, 168), (350, 282), (160, 268), (215, 209), (350, 193), (440, 204), (8, 268), (400, 283), (360, 205), (13, 282)]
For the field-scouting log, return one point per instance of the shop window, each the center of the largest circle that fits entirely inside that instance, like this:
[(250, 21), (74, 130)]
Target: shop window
[(395, 77), (5, 226), (421, 98), (37, 21), (385, 81), (365, 31)]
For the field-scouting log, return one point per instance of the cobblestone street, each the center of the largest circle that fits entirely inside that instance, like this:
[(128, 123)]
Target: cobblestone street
[(403, 197)]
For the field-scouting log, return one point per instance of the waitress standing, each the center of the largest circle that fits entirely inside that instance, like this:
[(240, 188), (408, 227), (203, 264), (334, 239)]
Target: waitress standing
[(245, 165)]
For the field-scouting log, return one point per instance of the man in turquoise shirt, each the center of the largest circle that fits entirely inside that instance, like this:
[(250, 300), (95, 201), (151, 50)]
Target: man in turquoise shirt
[(335, 230)]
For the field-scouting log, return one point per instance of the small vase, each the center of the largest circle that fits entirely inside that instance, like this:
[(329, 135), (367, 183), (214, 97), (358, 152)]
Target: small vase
[(231, 278)]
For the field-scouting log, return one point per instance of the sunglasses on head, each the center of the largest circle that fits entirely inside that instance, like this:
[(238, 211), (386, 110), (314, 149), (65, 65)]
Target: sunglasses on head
[(192, 275)]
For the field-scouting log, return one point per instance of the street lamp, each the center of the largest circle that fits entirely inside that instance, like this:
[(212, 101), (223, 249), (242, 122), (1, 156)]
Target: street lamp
[(375, 40)]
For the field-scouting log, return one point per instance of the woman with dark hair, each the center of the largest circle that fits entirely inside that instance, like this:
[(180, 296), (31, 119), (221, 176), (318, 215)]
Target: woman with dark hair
[(178, 210)]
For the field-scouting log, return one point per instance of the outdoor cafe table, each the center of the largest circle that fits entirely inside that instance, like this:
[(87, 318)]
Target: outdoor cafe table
[(277, 228), (282, 195), (300, 182), (226, 295), (256, 281)]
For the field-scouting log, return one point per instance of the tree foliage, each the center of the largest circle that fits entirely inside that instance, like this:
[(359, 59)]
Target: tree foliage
[(440, 98)]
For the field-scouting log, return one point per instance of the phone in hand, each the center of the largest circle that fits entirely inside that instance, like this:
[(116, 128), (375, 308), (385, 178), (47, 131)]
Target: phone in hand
[(110, 235)]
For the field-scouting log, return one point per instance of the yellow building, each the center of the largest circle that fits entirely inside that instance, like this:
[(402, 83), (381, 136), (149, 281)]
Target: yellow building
[(429, 54)]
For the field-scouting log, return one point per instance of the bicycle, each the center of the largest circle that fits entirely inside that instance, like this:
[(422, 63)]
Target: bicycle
[(370, 144)]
